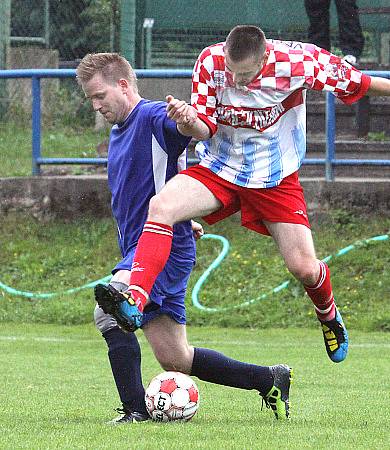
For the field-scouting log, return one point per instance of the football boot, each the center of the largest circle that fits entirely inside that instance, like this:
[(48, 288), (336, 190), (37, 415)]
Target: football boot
[(278, 396), (119, 305), (335, 338), (128, 417)]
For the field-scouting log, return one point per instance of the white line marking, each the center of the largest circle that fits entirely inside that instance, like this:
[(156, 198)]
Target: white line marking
[(79, 339)]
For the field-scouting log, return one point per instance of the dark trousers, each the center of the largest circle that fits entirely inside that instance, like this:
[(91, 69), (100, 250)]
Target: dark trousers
[(350, 32)]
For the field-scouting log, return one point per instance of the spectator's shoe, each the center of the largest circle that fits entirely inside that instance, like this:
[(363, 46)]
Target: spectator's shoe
[(128, 417), (119, 305), (351, 59), (335, 338), (278, 397)]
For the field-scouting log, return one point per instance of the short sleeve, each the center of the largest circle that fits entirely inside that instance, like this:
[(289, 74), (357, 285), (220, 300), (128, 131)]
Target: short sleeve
[(327, 72), (203, 95)]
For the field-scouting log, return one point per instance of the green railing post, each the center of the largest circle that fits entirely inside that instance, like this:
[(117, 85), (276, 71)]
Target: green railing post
[(128, 30)]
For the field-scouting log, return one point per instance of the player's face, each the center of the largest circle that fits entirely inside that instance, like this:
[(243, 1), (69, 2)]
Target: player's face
[(107, 98), (245, 71)]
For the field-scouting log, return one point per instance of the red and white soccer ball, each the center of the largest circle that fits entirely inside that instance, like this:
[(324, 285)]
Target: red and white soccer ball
[(172, 396)]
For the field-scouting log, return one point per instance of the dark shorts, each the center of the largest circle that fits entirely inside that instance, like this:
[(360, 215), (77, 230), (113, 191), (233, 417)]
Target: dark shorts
[(169, 290), (283, 203)]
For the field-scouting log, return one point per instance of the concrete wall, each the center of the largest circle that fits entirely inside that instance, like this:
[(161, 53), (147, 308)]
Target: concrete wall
[(31, 57), (68, 197), (159, 88)]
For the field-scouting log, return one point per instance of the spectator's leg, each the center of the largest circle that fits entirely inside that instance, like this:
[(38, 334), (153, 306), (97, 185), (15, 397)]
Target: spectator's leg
[(350, 32), (318, 13)]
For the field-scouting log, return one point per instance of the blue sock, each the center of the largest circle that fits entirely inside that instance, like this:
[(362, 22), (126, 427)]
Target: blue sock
[(209, 365), (125, 358)]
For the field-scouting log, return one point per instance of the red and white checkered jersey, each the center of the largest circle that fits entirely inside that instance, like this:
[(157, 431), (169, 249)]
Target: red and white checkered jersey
[(259, 130)]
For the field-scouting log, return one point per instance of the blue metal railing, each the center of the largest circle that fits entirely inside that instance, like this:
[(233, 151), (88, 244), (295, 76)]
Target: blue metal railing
[(330, 161)]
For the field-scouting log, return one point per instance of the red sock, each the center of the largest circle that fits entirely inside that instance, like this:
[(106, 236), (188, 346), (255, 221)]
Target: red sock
[(321, 295), (151, 255)]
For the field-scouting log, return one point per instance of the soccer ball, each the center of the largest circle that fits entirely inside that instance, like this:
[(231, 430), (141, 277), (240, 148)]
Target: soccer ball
[(172, 396)]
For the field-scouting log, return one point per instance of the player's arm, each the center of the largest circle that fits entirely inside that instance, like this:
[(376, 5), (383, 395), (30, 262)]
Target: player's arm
[(200, 118), (328, 72), (379, 86), (186, 118)]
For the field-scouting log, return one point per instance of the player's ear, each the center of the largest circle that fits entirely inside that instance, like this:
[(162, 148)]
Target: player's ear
[(124, 85)]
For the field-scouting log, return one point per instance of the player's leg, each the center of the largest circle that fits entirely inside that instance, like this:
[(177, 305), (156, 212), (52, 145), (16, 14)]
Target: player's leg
[(318, 14), (350, 30), (182, 198), (168, 340), (295, 244), (125, 359)]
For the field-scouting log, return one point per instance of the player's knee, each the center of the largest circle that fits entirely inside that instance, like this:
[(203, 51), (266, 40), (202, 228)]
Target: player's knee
[(303, 269), (175, 366), (103, 321), (157, 207), (162, 209), (179, 360)]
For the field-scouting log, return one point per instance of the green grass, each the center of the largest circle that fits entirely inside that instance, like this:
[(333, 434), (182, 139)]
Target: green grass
[(50, 256), (66, 142), (58, 392)]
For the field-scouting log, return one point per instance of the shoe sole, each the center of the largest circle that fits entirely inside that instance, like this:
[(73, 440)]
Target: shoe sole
[(287, 401), (109, 303)]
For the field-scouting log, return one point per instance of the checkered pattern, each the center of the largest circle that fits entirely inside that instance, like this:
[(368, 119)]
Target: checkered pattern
[(259, 130)]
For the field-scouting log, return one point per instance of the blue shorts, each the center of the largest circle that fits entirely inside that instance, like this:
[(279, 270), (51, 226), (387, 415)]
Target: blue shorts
[(169, 290)]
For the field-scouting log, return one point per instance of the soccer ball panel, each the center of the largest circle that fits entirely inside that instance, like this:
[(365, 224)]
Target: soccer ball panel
[(189, 411), (154, 387), (162, 401), (160, 416), (168, 386), (183, 381), (180, 398), (194, 394)]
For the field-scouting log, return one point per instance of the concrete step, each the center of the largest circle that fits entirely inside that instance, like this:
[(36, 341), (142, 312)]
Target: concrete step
[(347, 116), (349, 145), (346, 120), (359, 172)]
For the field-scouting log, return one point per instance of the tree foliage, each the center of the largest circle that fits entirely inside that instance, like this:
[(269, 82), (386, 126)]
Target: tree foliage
[(76, 27)]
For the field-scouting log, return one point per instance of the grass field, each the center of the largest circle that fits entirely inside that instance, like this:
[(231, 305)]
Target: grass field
[(66, 142), (58, 393)]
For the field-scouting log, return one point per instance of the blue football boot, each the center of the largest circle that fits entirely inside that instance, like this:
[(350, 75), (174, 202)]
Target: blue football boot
[(119, 305), (335, 338)]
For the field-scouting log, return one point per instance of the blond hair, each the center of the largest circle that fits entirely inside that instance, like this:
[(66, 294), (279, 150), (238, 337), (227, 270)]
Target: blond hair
[(111, 66)]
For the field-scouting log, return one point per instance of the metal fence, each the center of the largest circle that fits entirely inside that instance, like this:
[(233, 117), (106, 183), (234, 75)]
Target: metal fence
[(329, 161), (57, 33), (69, 28)]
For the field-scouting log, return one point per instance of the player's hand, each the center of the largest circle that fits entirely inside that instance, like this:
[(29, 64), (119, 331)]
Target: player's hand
[(180, 111), (197, 229)]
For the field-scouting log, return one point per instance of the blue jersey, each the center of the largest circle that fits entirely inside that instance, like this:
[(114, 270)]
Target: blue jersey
[(145, 151)]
